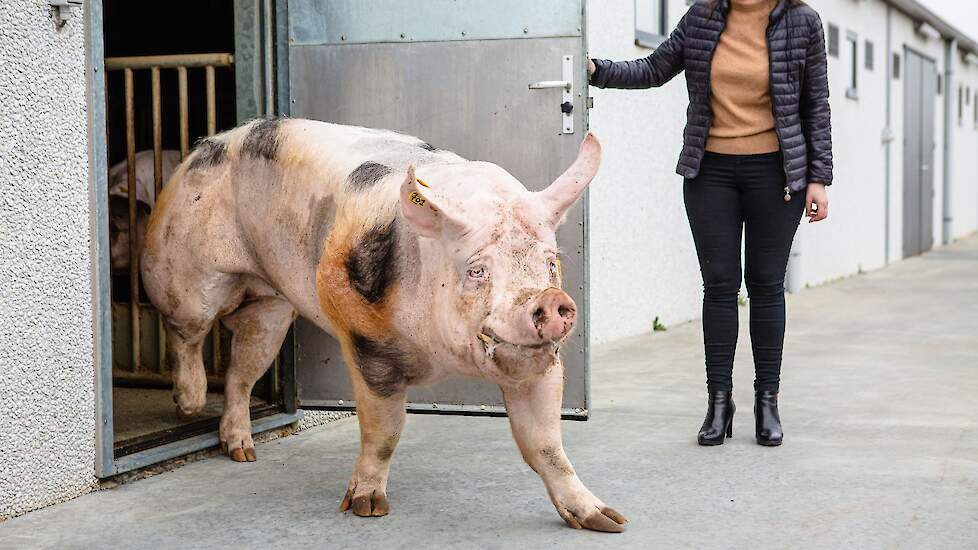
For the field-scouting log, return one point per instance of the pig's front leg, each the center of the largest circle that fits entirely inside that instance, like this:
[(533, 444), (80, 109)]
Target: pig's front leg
[(534, 415), (381, 422)]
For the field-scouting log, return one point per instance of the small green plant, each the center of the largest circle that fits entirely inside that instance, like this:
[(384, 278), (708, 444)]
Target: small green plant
[(657, 325), (741, 300)]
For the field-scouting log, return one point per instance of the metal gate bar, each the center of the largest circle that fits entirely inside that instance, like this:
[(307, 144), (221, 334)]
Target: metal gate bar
[(180, 63)]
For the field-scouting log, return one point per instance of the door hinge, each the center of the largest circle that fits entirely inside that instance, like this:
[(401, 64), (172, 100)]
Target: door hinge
[(61, 10)]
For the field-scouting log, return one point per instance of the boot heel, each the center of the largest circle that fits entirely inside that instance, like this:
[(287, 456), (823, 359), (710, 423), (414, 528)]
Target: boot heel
[(730, 427)]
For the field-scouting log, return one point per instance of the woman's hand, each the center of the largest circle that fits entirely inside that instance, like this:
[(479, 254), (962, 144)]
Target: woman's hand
[(816, 202), (590, 68)]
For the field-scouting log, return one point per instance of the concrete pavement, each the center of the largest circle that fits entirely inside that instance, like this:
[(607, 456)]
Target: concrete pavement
[(881, 450)]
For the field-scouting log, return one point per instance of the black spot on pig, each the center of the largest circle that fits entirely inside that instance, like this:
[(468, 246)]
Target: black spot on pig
[(428, 147), (321, 215), (366, 175), (262, 141), (386, 368), (210, 152), (372, 263)]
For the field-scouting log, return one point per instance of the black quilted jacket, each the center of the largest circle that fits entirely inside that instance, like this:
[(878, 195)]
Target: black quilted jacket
[(799, 84)]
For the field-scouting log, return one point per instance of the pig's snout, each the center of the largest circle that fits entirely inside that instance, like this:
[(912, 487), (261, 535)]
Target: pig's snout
[(553, 313)]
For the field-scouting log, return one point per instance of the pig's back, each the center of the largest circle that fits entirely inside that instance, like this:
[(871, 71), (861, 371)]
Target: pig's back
[(264, 198)]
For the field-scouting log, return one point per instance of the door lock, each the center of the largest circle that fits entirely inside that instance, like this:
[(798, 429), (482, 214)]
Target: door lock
[(567, 93)]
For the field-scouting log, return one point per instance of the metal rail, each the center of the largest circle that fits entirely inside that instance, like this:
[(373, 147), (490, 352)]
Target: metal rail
[(154, 64), (169, 61)]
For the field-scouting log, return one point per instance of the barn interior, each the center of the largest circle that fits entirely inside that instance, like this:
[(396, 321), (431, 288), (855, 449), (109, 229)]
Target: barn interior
[(144, 414)]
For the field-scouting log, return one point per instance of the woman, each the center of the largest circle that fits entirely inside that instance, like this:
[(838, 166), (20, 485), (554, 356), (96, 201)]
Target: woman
[(757, 149)]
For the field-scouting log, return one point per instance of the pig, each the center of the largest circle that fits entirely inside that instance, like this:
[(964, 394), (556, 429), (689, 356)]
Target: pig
[(420, 263), (145, 199)]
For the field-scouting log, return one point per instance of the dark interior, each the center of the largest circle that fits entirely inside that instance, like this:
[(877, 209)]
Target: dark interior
[(144, 415), (183, 27)]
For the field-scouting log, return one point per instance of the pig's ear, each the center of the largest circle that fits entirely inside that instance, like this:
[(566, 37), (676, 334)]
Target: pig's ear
[(565, 190), (424, 215)]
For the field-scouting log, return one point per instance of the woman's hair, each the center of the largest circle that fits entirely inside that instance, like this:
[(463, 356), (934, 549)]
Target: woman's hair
[(713, 3)]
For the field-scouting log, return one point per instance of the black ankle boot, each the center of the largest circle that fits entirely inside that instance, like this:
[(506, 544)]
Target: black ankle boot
[(719, 419), (767, 419)]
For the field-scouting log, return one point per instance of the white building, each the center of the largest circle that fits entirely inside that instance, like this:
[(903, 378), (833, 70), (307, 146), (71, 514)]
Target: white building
[(57, 376)]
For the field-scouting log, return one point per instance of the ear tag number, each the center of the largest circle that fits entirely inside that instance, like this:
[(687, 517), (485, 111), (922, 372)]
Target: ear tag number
[(417, 199)]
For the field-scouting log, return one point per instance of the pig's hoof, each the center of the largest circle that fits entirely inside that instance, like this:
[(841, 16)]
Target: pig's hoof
[(365, 504), (188, 407), (238, 445), (605, 519), (240, 454)]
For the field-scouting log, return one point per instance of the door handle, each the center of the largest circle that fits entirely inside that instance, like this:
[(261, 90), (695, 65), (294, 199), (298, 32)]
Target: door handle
[(566, 103), (550, 84)]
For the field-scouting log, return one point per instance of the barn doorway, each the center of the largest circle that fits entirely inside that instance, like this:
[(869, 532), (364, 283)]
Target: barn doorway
[(171, 77)]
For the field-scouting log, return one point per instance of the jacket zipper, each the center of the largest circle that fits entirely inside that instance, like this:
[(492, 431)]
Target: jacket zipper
[(774, 113), (709, 76)]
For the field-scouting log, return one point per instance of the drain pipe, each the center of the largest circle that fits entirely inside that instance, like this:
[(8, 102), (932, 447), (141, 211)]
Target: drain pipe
[(887, 136), (950, 51)]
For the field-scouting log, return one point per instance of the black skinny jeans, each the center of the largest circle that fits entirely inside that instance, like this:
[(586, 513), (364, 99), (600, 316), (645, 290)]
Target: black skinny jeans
[(730, 193)]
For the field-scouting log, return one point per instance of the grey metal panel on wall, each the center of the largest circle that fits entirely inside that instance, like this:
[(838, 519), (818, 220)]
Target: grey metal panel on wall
[(471, 97), (359, 21), (920, 95)]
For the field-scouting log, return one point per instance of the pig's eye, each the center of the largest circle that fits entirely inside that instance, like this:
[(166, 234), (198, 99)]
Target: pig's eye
[(553, 267), (478, 272)]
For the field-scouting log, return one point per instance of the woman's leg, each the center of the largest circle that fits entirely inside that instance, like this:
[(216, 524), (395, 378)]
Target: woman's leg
[(715, 218), (770, 224)]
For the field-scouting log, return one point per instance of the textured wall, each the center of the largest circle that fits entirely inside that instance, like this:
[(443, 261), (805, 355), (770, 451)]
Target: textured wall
[(964, 195), (643, 264), (47, 424)]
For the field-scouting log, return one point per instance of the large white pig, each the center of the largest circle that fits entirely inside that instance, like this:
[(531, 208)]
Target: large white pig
[(421, 263)]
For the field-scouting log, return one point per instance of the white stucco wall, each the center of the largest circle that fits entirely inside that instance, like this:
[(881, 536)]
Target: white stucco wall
[(47, 423), (643, 263), (964, 194), (853, 237)]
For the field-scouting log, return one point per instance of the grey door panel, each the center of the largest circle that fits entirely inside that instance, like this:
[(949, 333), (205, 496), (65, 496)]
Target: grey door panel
[(920, 90), (472, 97)]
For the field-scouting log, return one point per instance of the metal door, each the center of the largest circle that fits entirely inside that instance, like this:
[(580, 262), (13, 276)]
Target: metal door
[(920, 94), (458, 74)]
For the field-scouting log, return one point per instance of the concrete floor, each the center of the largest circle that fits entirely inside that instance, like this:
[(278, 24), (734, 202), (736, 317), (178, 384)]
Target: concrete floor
[(141, 411), (881, 450)]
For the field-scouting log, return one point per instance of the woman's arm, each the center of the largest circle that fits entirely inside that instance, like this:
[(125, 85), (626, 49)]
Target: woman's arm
[(816, 120), (652, 71)]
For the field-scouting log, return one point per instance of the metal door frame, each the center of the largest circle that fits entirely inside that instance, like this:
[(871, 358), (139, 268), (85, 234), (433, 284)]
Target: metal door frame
[(106, 464), (284, 102)]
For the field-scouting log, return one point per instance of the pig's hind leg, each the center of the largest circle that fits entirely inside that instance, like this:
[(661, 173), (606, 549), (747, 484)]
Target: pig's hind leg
[(189, 312), (259, 327)]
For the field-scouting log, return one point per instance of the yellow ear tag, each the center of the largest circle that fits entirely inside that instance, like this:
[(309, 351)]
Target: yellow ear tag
[(417, 199), (419, 180)]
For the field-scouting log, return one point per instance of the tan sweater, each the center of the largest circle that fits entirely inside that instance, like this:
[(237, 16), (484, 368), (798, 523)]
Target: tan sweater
[(743, 123)]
